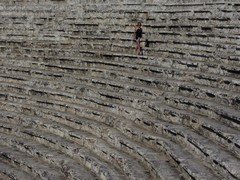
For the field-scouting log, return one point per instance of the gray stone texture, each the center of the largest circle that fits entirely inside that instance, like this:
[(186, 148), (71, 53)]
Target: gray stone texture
[(76, 103)]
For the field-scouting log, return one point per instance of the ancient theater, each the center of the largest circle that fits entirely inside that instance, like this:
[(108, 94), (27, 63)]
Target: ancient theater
[(119, 90)]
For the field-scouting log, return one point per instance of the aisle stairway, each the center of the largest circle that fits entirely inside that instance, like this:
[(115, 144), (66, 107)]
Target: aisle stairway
[(76, 103)]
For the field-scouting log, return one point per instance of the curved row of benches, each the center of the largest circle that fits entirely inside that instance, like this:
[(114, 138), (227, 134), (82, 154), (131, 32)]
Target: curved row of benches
[(76, 104)]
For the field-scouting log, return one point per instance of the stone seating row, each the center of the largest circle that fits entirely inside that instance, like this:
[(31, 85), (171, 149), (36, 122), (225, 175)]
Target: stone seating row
[(133, 5), (164, 69), (100, 147), (7, 171), (69, 148), (37, 167), (105, 10), (24, 2), (221, 4), (190, 88), (39, 151), (165, 126), (229, 116), (232, 28), (176, 27), (38, 91), (68, 107), (51, 103), (231, 72), (181, 46), (228, 83), (219, 96), (151, 8), (22, 46), (183, 92), (126, 30), (193, 1), (142, 152)]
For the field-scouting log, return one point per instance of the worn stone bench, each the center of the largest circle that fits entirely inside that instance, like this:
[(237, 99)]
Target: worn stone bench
[(75, 99), (190, 170)]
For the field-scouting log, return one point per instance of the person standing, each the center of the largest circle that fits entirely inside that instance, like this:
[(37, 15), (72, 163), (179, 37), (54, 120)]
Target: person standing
[(138, 35)]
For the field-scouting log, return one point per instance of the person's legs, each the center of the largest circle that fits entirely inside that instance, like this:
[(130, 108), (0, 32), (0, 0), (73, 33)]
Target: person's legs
[(138, 48)]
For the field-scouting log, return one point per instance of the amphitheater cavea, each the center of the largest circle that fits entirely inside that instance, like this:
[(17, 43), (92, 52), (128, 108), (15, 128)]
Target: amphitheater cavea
[(77, 103)]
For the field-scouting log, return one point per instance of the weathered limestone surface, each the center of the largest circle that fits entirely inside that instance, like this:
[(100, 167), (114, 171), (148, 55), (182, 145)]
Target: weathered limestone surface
[(76, 103)]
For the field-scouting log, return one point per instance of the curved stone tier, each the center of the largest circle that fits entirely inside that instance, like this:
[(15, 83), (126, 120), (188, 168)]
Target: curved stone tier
[(76, 103)]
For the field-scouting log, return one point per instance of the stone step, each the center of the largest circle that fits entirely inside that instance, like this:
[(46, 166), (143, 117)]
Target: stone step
[(136, 102), (191, 76), (175, 16), (205, 65), (33, 6), (184, 64), (98, 146), (75, 151), (121, 27), (180, 13), (206, 149), (126, 30), (227, 28), (148, 7), (219, 112), (187, 163), (166, 52), (159, 36), (213, 129), (107, 105), (98, 97), (134, 133), (216, 111), (200, 49), (183, 44), (91, 65), (74, 87), (67, 165), (194, 1), (211, 66), (198, 157), (140, 65), (185, 89), (21, 160), (155, 42), (213, 80), (204, 92), (168, 20), (134, 172), (202, 54), (136, 6), (9, 172), (202, 147), (202, 58), (166, 6), (153, 162), (192, 5), (117, 97), (98, 102)]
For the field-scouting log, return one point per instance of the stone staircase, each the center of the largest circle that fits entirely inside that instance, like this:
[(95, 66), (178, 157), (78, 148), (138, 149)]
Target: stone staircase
[(76, 103)]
